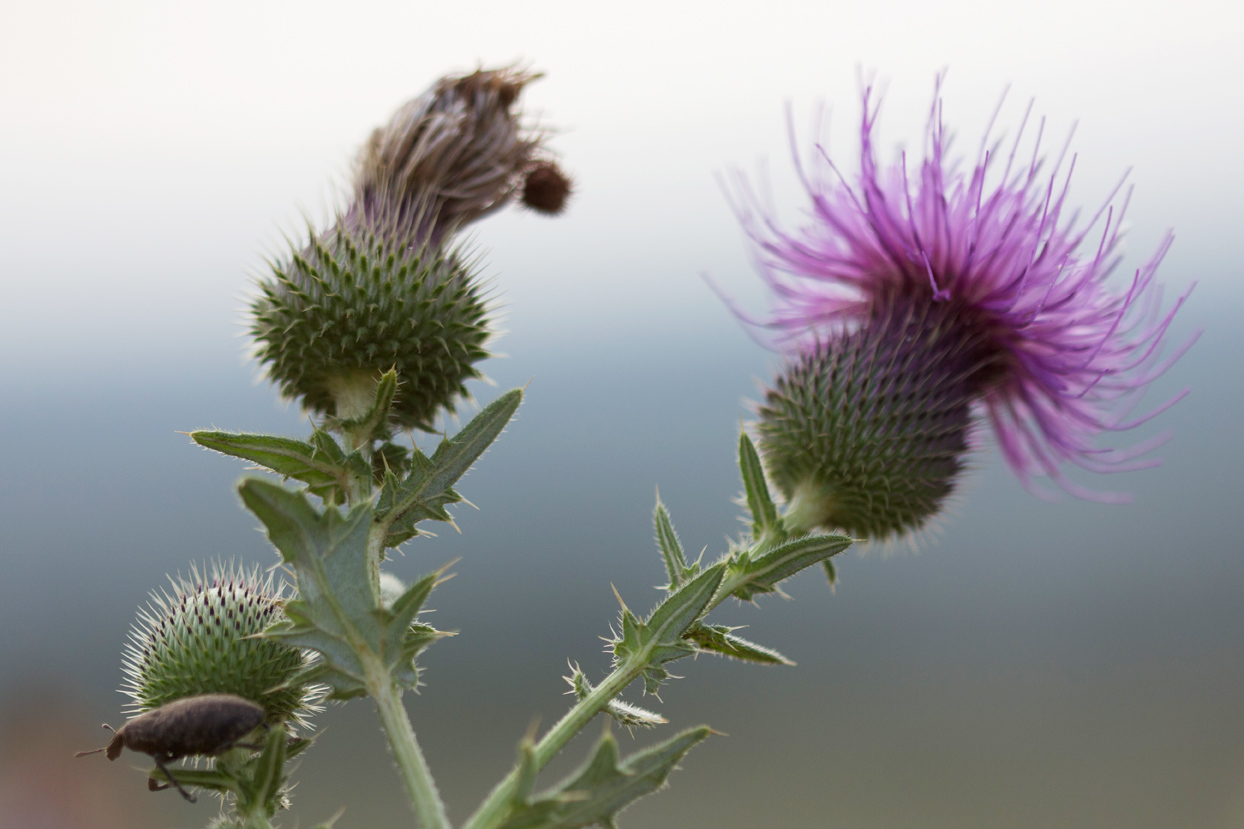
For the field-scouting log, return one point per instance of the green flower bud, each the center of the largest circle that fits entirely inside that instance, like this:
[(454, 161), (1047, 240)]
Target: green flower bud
[(365, 298), (202, 639), (866, 432)]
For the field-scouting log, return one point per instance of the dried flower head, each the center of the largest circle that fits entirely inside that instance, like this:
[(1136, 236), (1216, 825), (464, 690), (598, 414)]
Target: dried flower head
[(385, 288), (202, 638), (915, 297), (452, 155)]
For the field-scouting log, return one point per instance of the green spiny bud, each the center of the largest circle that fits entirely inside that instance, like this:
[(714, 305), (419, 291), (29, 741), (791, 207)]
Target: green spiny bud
[(866, 432), (203, 639), (362, 299)]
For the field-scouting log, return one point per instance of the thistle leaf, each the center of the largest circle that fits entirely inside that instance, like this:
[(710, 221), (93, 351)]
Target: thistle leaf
[(623, 713), (269, 778), (667, 542), (831, 572), (320, 464), (424, 494), (786, 560), (404, 638), (721, 640), (603, 786), (660, 639), (759, 502), (335, 612), (453, 457), (210, 779)]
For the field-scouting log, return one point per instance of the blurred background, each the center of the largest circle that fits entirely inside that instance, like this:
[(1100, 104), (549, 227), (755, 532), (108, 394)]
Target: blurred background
[(1032, 664)]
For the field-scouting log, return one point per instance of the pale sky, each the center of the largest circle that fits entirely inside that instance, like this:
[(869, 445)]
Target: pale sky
[(152, 152)]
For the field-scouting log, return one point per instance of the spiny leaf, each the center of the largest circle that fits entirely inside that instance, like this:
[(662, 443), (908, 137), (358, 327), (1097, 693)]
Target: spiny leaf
[(424, 494), (623, 713), (831, 572), (786, 560), (632, 716), (336, 611), (216, 781), (659, 640), (269, 778), (319, 464), (667, 542), (673, 616), (759, 502), (453, 457), (404, 639), (603, 786), (721, 640)]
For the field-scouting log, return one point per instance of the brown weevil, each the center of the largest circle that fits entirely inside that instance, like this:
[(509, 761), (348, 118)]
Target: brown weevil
[(208, 724)]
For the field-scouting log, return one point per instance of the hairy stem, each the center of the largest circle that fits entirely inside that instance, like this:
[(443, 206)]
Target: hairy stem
[(257, 819), (425, 801), (495, 809)]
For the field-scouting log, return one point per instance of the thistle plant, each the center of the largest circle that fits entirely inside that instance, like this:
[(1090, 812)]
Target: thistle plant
[(909, 312)]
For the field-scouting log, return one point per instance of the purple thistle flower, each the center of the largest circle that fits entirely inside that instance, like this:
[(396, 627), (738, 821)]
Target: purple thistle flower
[(931, 293)]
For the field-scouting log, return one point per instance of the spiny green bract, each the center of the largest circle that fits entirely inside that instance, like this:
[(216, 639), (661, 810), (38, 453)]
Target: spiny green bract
[(363, 298), (865, 432), (202, 639)]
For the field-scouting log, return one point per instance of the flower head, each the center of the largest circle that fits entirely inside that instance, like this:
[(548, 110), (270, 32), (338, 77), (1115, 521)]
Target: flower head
[(921, 293), (386, 288), (203, 638), (452, 155)]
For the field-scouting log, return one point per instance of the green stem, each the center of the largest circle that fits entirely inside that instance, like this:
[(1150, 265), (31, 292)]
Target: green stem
[(425, 801), (412, 767), (495, 809), (258, 819)]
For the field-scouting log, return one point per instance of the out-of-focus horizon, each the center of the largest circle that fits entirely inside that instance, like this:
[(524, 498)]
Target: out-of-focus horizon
[(1063, 664)]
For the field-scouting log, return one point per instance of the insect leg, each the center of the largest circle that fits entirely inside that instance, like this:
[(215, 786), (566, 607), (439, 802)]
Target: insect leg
[(152, 785)]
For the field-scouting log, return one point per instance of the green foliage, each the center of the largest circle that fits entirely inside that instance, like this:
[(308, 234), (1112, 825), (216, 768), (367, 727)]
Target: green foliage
[(765, 521), (338, 612), (764, 572), (623, 713), (601, 788), (320, 463), (428, 489), (671, 550), (659, 639), (721, 640)]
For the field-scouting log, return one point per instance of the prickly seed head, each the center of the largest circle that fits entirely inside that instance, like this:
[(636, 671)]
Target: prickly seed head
[(198, 640), (866, 432), (362, 299)]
